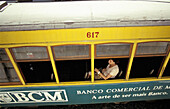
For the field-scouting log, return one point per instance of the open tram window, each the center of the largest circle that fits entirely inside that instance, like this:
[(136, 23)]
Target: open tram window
[(146, 67), (34, 64), (121, 62), (72, 70), (7, 71), (72, 62), (35, 72), (148, 59), (118, 52)]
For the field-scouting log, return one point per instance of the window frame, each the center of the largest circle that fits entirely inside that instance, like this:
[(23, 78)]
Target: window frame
[(9, 83), (116, 56), (151, 55), (165, 64), (71, 57), (29, 60)]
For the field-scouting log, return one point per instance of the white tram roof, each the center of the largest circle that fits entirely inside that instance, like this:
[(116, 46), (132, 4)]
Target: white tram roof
[(83, 14)]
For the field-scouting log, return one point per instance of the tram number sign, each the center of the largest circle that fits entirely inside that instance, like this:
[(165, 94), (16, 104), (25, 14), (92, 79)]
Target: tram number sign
[(92, 34)]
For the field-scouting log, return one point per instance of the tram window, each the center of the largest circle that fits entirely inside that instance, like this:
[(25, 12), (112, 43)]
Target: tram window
[(167, 70), (146, 62), (34, 64), (71, 51), (7, 72), (73, 70), (152, 48), (121, 62), (23, 53), (35, 72), (146, 66), (112, 50), (103, 50)]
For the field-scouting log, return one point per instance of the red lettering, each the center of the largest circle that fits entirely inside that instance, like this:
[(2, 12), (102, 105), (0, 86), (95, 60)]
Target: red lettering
[(88, 34), (92, 34), (97, 33)]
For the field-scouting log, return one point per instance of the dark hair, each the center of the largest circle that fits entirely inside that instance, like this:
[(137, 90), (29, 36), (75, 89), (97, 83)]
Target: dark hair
[(115, 60)]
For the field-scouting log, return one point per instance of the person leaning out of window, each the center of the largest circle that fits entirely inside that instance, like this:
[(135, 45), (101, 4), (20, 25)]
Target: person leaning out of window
[(110, 71)]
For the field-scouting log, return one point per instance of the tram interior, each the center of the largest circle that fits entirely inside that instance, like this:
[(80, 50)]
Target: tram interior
[(35, 72), (121, 62), (73, 70), (68, 70), (146, 67)]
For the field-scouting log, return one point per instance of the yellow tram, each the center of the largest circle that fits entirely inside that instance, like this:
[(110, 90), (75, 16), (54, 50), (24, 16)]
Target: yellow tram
[(47, 48)]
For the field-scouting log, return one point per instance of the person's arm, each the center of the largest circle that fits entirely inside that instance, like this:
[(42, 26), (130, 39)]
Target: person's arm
[(104, 77)]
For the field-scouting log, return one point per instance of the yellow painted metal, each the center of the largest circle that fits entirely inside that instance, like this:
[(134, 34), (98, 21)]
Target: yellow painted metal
[(92, 63), (164, 66), (80, 34), (81, 42), (15, 66), (86, 82), (53, 64), (131, 60)]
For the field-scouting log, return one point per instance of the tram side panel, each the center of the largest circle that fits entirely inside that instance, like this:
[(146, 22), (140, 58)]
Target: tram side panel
[(84, 94)]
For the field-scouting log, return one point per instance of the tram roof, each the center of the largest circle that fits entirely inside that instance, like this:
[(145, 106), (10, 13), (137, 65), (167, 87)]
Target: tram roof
[(83, 14)]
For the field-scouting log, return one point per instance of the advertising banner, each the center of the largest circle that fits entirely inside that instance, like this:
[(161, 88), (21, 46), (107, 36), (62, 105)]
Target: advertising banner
[(84, 94)]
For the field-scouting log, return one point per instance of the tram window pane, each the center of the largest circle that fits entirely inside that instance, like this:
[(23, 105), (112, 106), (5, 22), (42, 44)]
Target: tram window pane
[(167, 70), (72, 51), (23, 53), (35, 72), (112, 50), (121, 62), (73, 70), (146, 67), (7, 73), (3, 55), (152, 48)]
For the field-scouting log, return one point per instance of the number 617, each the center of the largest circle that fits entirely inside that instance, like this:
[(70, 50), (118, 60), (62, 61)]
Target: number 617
[(92, 34)]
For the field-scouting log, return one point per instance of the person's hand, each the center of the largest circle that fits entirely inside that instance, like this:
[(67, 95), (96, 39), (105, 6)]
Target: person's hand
[(96, 70)]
